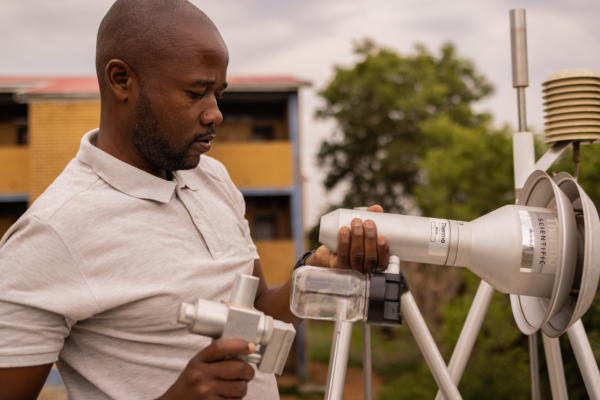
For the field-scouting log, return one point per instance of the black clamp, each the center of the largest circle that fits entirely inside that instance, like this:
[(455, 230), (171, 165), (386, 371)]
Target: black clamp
[(384, 299)]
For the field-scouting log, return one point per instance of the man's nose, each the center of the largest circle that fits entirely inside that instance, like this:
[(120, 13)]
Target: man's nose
[(212, 115)]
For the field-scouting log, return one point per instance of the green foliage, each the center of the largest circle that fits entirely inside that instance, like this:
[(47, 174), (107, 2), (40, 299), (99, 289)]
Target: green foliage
[(379, 104), (468, 170)]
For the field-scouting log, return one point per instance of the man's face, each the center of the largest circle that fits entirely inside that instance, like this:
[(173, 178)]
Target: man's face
[(176, 108)]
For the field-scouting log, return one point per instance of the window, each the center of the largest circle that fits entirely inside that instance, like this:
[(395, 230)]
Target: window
[(265, 227), (261, 133)]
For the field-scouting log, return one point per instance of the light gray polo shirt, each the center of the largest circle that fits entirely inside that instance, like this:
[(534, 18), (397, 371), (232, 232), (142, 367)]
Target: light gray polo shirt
[(92, 274)]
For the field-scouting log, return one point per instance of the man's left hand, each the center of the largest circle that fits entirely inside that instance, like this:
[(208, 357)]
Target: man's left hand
[(359, 248)]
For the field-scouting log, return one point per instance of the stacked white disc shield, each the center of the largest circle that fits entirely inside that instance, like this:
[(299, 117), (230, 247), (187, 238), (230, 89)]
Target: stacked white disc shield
[(572, 106)]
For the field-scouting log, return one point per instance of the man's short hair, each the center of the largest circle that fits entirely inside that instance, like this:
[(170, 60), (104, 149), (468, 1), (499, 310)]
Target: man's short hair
[(139, 32)]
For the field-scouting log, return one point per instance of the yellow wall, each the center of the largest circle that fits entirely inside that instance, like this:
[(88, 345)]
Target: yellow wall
[(277, 259), (14, 169), (241, 131), (55, 131), (256, 164), (56, 128)]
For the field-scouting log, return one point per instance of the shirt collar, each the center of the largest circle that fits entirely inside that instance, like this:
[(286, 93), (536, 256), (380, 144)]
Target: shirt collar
[(190, 178), (124, 177)]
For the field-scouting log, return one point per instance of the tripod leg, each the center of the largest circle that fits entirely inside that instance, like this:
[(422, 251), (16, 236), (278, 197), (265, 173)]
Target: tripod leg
[(534, 367), (430, 351), (469, 333), (585, 359), (367, 367), (338, 361), (556, 372)]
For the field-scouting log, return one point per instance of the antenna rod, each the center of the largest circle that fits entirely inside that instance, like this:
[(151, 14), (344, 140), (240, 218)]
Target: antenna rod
[(520, 72)]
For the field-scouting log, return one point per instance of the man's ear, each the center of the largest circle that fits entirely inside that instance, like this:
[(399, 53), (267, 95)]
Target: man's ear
[(119, 79)]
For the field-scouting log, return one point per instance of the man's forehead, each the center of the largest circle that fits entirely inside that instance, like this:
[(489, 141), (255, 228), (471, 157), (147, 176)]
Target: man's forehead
[(194, 32), (197, 57)]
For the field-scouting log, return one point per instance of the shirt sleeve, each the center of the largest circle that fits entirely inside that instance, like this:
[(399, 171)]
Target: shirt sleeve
[(42, 294)]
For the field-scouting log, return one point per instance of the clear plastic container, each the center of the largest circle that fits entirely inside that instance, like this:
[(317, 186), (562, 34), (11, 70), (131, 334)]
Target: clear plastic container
[(329, 294)]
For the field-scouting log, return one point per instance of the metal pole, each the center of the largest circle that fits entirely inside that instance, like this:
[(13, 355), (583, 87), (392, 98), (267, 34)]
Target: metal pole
[(432, 355), (338, 361), (522, 111), (558, 384), (585, 359), (469, 333), (576, 159), (520, 75), (518, 47), (367, 366), (534, 367)]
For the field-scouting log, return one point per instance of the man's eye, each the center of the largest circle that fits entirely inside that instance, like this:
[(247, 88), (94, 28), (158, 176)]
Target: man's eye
[(218, 96), (194, 94)]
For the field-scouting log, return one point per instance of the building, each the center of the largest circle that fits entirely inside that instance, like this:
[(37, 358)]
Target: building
[(42, 120)]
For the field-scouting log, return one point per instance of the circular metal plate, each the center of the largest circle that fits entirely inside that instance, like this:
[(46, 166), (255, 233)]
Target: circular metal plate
[(574, 129), (572, 73), (549, 105), (572, 123), (572, 95), (571, 81), (571, 116), (589, 258), (583, 138), (531, 313), (557, 112), (571, 88)]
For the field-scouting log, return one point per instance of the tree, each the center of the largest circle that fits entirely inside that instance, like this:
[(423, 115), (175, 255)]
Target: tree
[(380, 104)]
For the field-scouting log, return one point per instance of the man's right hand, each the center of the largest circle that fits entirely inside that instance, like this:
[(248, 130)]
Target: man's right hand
[(210, 376)]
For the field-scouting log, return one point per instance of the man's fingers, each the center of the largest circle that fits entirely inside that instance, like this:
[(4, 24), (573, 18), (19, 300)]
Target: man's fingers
[(371, 252), (375, 208), (383, 251), (232, 370), (233, 389), (343, 253), (221, 348), (357, 249)]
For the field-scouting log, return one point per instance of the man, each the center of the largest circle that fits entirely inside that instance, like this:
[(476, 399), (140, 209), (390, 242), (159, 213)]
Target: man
[(137, 223)]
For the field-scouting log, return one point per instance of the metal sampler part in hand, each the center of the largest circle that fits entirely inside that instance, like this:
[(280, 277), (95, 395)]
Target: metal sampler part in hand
[(238, 319)]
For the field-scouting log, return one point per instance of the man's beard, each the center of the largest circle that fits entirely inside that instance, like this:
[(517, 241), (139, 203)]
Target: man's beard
[(152, 145)]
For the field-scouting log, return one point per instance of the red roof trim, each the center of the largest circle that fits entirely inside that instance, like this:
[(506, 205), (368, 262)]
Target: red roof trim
[(31, 86)]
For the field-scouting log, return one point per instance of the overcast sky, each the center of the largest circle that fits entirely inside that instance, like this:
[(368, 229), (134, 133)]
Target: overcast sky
[(307, 38)]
